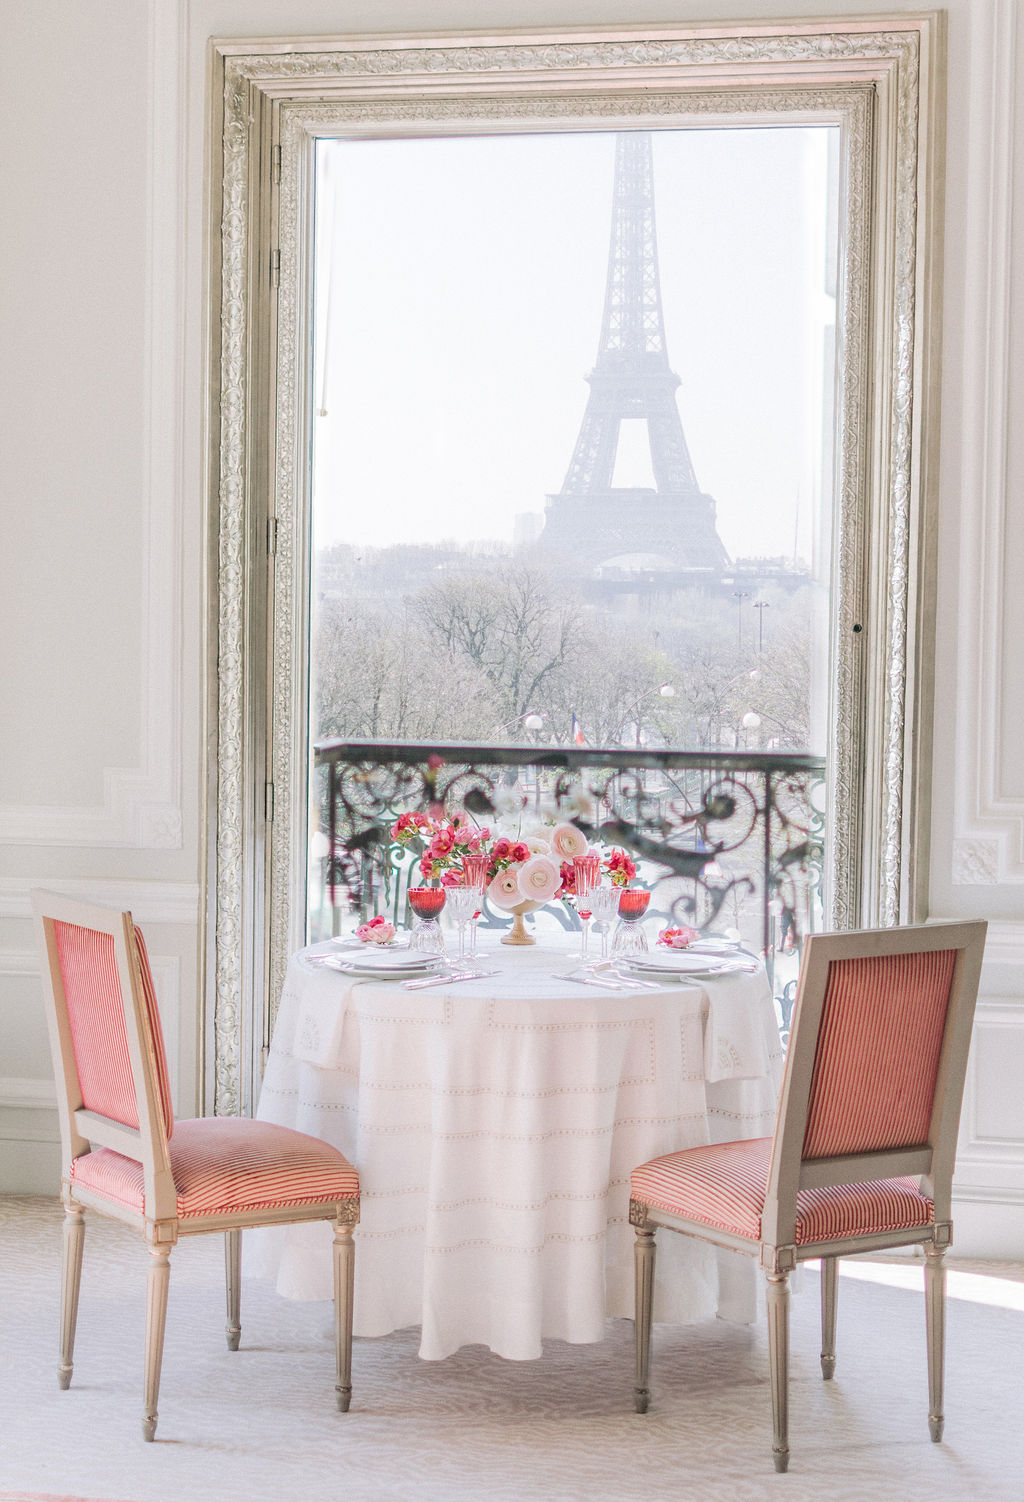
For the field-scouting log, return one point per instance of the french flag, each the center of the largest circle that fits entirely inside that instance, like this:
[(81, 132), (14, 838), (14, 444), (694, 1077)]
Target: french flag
[(577, 731)]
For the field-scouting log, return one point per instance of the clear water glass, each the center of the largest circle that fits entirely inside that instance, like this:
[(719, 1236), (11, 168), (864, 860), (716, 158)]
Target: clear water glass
[(604, 905), (461, 903)]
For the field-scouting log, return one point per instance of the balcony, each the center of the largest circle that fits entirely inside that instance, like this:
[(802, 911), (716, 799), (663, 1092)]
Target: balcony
[(727, 843)]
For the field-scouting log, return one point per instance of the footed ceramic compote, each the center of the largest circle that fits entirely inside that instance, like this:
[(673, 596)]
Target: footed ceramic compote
[(629, 937), (426, 903)]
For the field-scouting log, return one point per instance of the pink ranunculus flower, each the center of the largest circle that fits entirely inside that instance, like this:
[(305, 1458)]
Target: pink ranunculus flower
[(567, 842), (376, 931), (678, 938), (504, 889), (452, 878), (539, 878)]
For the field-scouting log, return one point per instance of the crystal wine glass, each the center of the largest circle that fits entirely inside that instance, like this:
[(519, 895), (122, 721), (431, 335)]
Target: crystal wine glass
[(461, 903), (604, 904), (426, 903), (586, 874), (474, 872), (629, 937)]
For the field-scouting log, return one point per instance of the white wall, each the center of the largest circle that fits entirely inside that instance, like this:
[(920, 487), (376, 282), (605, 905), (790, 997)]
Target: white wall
[(104, 543)]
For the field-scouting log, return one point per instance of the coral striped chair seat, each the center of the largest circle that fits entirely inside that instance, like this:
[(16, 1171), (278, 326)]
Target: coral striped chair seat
[(726, 1186), (124, 1155), (226, 1166), (864, 1145)]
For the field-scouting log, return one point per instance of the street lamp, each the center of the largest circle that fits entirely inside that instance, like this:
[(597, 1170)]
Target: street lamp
[(665, 691), (761, 606), (750, 721)]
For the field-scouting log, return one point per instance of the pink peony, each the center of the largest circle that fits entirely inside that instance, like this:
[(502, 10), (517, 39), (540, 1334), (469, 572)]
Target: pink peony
[(504, 889), (567, 842)]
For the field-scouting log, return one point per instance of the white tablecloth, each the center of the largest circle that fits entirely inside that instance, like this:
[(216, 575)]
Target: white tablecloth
[(494, 1124)]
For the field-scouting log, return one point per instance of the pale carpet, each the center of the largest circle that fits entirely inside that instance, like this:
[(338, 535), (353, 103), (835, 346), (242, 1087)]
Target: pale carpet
[(261, 1423)]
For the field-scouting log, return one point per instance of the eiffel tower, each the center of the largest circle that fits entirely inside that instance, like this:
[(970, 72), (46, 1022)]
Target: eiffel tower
[(594, 522)]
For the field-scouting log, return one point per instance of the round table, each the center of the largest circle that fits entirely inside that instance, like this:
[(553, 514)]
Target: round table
[(494, 1124)]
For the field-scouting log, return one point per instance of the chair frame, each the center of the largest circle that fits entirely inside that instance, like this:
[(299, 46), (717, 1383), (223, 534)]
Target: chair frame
[(160, 1225), (931, 1161)]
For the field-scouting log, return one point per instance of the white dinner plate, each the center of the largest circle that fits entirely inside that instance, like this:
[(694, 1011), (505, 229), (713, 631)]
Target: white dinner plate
[(385, 963), (676, 962)]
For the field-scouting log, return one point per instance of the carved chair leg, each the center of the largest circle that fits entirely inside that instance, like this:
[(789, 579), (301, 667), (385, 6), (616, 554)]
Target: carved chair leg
[(156, 1316), (71, 1277), (233, 1278), (778, 1365), (935, 1322), (829, 1282), (344, 1289), (644, 1252)]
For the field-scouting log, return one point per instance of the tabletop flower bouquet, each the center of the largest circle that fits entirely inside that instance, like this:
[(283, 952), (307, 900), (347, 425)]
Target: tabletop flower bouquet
[(524, 871)]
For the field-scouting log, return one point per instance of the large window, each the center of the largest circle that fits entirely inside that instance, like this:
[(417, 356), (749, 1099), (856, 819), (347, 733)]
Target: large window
[(428, 420)]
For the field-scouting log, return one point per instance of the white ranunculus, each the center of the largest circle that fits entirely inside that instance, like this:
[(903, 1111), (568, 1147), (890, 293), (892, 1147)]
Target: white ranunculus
[(536, 845), (504, 888), (567, 842), (539, 878)]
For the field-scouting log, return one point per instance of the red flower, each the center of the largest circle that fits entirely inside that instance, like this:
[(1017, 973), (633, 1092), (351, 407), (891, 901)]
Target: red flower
[(568, 874), (502, 849), (520, 852), (620, 868)]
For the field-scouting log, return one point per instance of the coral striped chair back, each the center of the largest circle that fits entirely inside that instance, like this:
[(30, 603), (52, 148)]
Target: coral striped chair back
[(109, 1058), (876, 1065)]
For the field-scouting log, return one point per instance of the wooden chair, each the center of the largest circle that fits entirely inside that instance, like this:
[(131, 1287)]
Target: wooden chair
[(124, 1155), (864, 1145)]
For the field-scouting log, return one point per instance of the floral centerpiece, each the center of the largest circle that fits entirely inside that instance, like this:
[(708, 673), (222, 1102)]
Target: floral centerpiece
[(524, 871)]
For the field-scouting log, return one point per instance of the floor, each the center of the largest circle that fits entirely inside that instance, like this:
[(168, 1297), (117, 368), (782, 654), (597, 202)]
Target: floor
[(261, 1423)]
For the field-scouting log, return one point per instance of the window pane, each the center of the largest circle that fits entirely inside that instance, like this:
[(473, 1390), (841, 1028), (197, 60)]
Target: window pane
[(572, 455)]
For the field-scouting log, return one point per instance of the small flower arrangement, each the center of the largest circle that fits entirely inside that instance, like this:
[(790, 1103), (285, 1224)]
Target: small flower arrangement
[(376, 931), (678, 938)]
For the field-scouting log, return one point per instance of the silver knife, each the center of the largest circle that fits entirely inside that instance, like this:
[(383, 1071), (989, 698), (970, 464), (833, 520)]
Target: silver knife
[(446, 980)]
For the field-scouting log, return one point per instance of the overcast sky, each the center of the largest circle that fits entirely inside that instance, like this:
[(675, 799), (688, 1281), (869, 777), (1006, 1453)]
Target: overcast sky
[(460, 287)]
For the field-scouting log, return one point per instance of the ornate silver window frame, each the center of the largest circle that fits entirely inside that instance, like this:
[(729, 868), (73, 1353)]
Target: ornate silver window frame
[(877, 78)]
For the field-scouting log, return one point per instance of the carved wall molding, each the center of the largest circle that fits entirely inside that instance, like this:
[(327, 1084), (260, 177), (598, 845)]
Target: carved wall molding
[(866, 77), (989, 815)]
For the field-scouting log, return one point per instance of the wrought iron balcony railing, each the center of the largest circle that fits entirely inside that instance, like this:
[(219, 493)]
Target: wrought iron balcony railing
[(726, 842)]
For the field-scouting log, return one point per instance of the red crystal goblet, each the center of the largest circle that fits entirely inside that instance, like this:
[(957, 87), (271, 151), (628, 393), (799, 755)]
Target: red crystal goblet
[(426, 903), (629, 937)]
